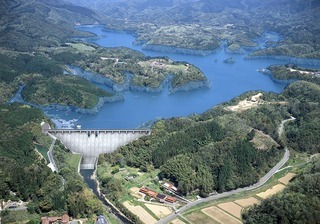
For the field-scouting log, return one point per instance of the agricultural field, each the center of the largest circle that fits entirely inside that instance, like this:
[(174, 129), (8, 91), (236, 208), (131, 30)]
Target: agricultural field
[(232, 208), (177, 221), (285, 180), (200, 217), (143, 215), (271, 191), (159, 210), (229, 210), (246, 202), (220, 216)]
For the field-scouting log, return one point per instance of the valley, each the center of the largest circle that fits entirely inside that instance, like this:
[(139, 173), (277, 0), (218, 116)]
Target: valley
[(213, 82)]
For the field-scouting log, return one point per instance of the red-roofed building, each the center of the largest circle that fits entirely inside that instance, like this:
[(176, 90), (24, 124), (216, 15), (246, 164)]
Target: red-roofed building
[(171, 199), (55, 220)]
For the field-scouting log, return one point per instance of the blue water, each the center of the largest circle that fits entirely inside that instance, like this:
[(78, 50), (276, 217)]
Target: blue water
[(227, 82)]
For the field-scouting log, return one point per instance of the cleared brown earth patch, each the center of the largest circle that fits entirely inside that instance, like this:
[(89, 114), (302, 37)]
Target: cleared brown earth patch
[(262, 141), (246, 202), (246, 104), (271, 191), (220, 215), (285, 180), (231, 208)]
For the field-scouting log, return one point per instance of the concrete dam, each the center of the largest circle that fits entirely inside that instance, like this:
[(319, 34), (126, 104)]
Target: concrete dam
[(91, 143)]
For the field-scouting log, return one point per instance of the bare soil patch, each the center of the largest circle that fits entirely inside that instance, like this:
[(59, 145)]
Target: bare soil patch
[(158, 210), (231, 208), (246, 202), (285, 180), (200, 217), (143, 215), (220, 215), (262, 141), (300, 71), (271, 191), (246, 104)]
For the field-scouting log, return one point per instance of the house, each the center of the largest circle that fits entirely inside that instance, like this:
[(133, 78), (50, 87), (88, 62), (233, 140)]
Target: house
[(143, 190), (170, 199), (148, 192), (161, 197), (58, 219), (170, 187)]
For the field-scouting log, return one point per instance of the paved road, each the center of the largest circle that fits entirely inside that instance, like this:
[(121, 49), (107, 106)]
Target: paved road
[(19, 207), (50, 155), (262, 181)]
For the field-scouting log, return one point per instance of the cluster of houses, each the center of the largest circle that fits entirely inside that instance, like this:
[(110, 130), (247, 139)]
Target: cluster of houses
[(160, 197)]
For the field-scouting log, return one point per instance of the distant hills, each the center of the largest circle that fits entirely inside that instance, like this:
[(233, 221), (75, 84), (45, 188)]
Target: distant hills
[(27, 24), (296, 21)]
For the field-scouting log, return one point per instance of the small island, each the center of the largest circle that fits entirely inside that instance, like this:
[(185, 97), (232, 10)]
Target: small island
[(231, 60)]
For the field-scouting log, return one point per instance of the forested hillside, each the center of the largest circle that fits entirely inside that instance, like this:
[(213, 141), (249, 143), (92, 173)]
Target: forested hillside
[(212, 151), (298, 203), (24, 174), (218, 149), (26, 25), (202, 24)]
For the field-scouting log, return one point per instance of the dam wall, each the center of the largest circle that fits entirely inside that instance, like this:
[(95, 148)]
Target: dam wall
[(91, 143)]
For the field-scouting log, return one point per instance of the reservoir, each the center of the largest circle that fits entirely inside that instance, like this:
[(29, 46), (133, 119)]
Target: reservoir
[(138, 108)]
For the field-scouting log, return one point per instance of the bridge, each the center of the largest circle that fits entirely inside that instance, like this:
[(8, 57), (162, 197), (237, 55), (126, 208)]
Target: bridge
[(91, 143)]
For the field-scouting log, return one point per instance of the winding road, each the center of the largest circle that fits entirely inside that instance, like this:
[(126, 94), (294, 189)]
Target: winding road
[(262, 181)]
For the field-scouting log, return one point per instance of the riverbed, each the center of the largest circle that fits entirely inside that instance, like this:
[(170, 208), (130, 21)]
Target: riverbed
[(138, 108)]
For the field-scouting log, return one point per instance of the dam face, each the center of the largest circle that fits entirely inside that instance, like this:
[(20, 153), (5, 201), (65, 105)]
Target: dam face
[(91, 143)]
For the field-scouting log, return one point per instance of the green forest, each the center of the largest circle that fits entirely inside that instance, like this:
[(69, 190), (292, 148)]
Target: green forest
[(298, 203), (25, 175), (217, 151), (294, 72), (207, 152)]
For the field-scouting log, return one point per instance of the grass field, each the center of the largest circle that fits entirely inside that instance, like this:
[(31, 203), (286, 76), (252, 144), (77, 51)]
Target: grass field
[(18, 217), (74, 161), (43, 151), (82, 47)]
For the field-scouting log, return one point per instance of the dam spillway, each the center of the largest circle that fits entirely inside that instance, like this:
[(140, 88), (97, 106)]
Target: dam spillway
[(91, 143)]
